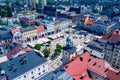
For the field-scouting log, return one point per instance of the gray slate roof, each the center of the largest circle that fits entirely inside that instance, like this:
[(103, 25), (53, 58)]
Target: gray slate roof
[(29, 28), (59, 74), (4, 35), (33, 60), (70, 49)]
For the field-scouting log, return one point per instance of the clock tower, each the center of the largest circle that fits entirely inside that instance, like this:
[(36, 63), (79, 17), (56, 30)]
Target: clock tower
[(69, 51)]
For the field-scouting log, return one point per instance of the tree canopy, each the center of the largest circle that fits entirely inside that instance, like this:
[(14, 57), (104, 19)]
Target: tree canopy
[(6, 11), (16, 22), (46, 52), (58, 48), (38, 46), (25, 25)]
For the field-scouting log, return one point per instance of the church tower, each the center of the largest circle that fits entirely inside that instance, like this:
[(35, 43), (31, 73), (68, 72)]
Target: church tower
[(69, 51)]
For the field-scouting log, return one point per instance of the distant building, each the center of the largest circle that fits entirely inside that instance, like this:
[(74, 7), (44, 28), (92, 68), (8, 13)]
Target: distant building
[(85, 9), (29, 33), (42, 3), (98, 27), (5, 37), (50, 10), (109, 45), (30, 3), (29, 66), (99, 8)]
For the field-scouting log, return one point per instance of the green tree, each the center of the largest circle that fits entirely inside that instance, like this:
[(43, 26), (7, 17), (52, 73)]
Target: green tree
[(6, 11), (49, 42), (25, 25), (95, 11), (15, 22), (3, 12), (38, 46), (46, 52), (3, 23), (58, 48), (9, 11)]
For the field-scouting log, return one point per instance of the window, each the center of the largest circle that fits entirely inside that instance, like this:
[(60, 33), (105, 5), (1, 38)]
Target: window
[(32, 72), (66, 54), (24, 76), (39, 73), (38, 68), (43, 70), (96, 77), (43, 66), (32, 77), (116, 50), (115, 54)]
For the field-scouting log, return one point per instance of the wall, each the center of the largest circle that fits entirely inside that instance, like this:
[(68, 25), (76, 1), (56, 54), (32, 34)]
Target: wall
[(37, 72)]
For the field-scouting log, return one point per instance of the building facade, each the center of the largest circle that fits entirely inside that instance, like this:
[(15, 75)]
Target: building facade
[(42, 3), (109, 45), (29, 34), (41, 31), (17, 35)]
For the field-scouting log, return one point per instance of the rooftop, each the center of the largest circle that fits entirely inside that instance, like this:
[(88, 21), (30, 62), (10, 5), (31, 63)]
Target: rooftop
[(7, 35), (113, 36), (113, 75), (77, 68), (13, 31), (59, 74), (40, 28), (81, 64), (29, 28), (70, 49), (21, 64)]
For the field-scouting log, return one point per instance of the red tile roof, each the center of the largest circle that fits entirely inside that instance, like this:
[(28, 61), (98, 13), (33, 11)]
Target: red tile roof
[(98, 66), (79, 66), (13, 31), (13, 52), (36, 20), (26, 49), (112, 75), (40, 28), (113, 36)]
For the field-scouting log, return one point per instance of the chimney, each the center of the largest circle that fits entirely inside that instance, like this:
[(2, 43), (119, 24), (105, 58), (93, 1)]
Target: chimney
[(106, 70), (89, 60), (118, 73), (117, 32), (66, 66), (15, 69), (81, 59), (94, 63)]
